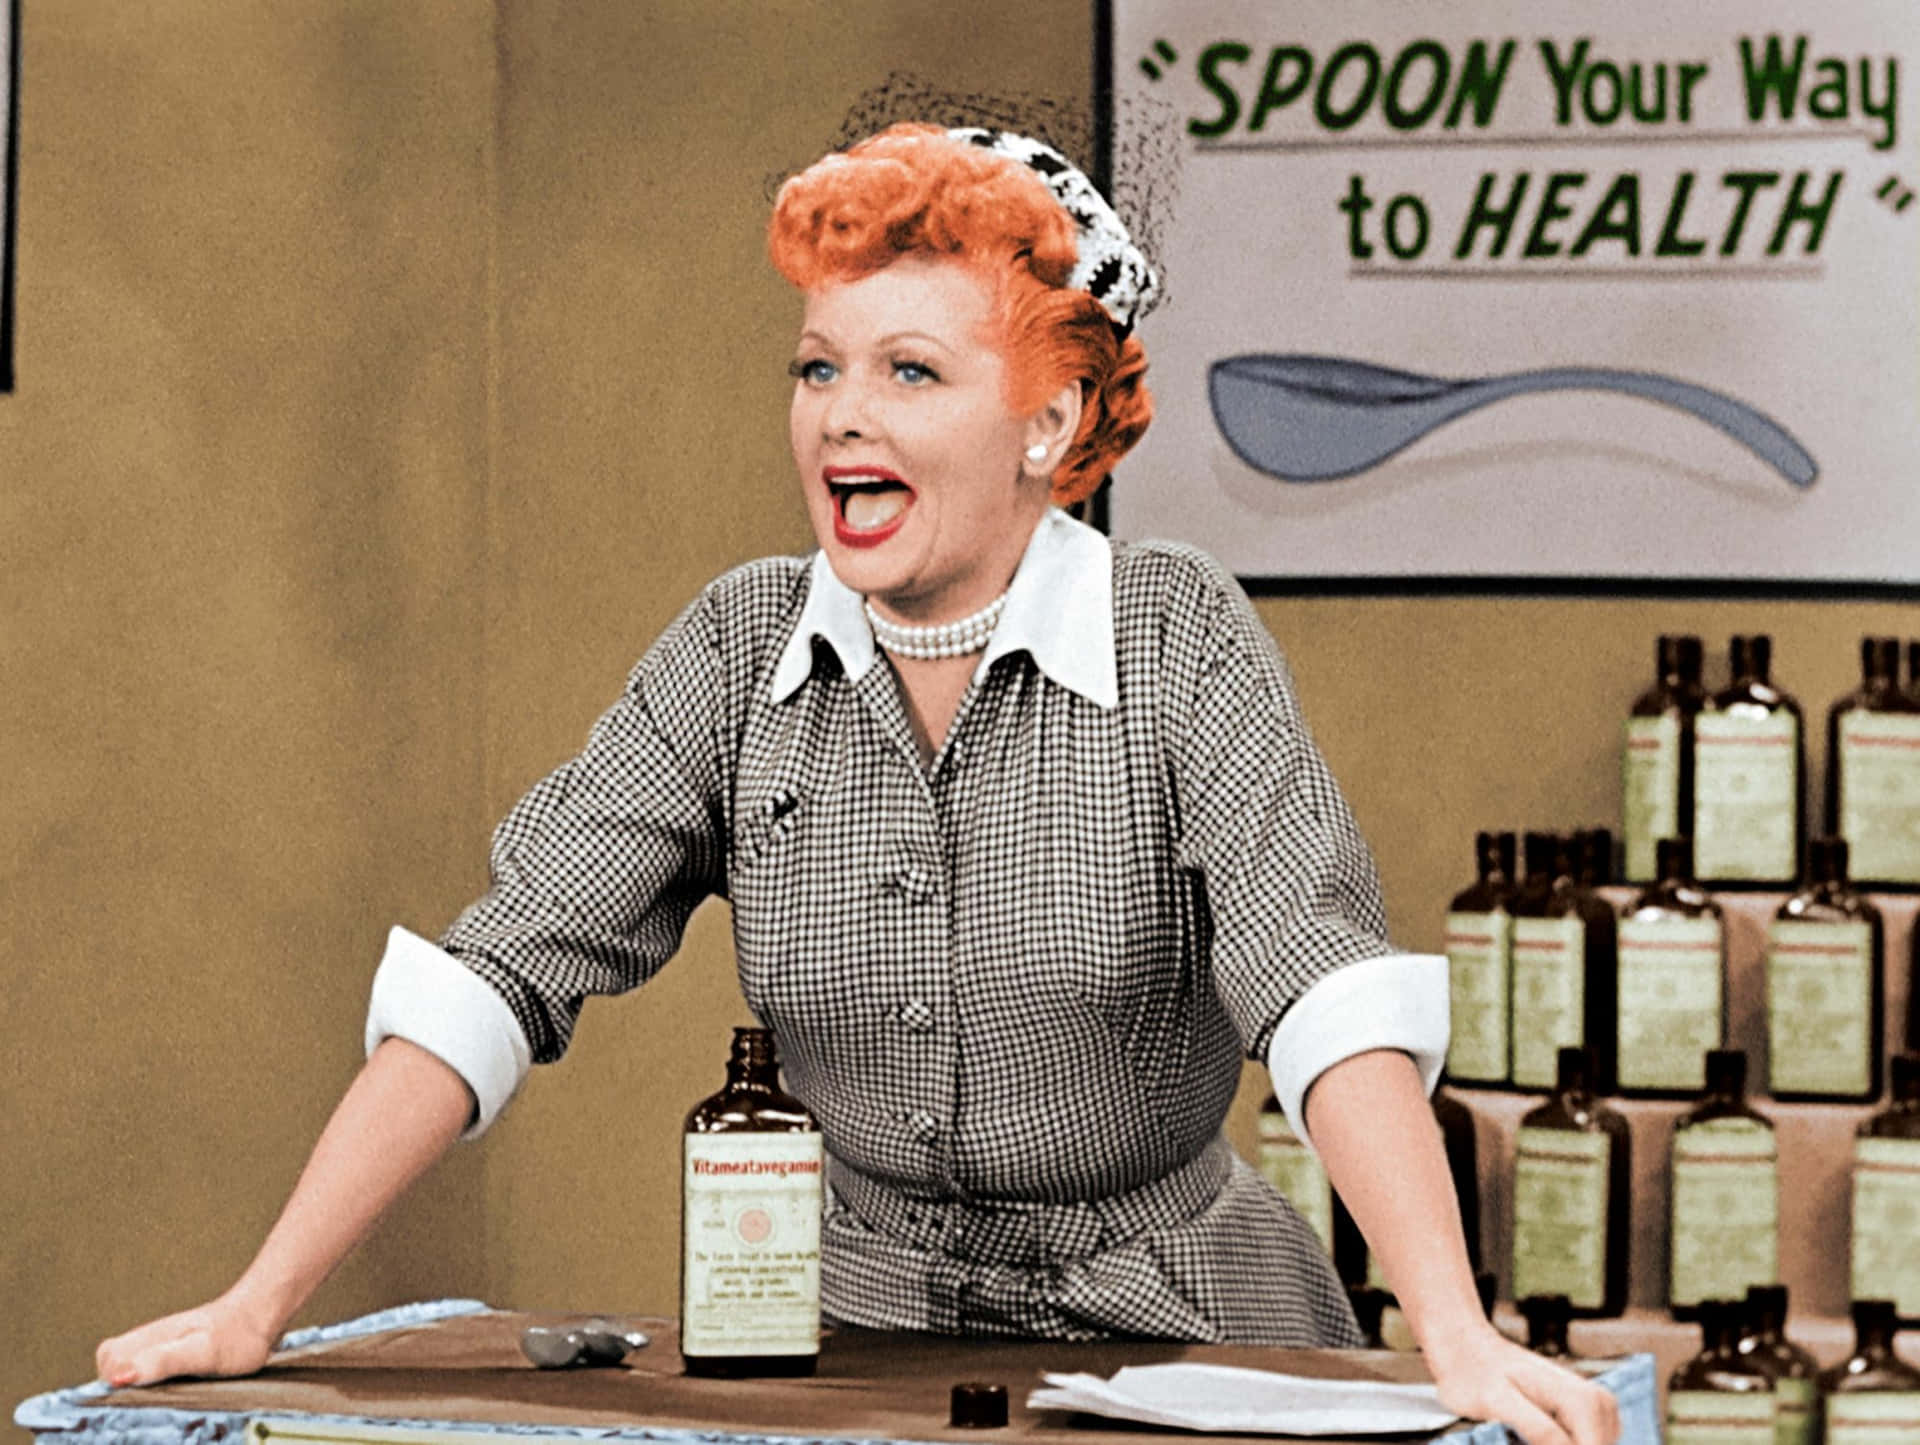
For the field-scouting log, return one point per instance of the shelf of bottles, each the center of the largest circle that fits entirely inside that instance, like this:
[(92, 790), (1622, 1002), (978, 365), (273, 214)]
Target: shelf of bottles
[(1815, 1140)]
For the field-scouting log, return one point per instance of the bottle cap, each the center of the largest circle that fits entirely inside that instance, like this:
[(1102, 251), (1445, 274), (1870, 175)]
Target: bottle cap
[(1906, 1077), (1679, 656), (1827, 860), (1594, 847), (1719, 1323), (1543, 855), (1673, 859), (1879, 660), (1547, 1317), (1766, 1308), (977, 1405), (1575, 1063), (1727, 1071), (1874, 1319), (1752, 656)]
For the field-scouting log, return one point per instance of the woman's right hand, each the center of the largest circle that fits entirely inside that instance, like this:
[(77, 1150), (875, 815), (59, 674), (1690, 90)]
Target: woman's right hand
[(216, 1338)]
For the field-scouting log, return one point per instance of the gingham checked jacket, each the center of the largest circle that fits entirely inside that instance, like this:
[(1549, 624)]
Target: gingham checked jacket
[(1014, 986)]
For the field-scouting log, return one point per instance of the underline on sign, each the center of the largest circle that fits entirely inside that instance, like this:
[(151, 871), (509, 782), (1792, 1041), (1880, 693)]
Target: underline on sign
[(1551, 139), (1587, 273)]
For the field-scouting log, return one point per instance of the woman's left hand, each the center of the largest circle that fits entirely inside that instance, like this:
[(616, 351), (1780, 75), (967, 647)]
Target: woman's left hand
[(1483, 1375)]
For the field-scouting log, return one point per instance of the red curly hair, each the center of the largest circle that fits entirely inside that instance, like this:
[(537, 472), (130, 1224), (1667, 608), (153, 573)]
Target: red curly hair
[(911, 189)]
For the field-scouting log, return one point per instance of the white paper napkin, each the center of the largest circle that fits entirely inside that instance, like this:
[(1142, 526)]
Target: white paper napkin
[(1227, 1399)]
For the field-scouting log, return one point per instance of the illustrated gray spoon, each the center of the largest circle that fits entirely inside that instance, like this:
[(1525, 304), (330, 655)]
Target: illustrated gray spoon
[(1317, 418)]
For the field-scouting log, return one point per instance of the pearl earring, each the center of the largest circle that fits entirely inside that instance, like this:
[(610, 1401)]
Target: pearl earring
[(1036, 452)]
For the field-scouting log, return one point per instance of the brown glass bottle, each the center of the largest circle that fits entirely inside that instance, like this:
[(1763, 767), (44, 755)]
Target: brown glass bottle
[(1724, 1226), (1749, 778), (1369, 1308), (1873, 771), (1796, 1374), (1573, 1170), (1720, 1394), (1872, 1395), (1657, 756), (1913, 671), (1479, 939), (1460, 1141), (750, 1224), (1885, 1249), (1825, 990), (1564, 965), (1672, 982)]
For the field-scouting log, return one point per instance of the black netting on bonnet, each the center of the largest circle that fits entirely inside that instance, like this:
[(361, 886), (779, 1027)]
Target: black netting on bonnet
[(1145, 154)]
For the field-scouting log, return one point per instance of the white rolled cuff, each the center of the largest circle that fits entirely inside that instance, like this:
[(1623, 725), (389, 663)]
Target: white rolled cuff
[(1399, 1001), (428, 997)]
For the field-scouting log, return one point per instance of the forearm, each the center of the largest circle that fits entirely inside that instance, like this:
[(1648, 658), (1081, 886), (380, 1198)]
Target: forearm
[(397, 1117), (1370, 1120)]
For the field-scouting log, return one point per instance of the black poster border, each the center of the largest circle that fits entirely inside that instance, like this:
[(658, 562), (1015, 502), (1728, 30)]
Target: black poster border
[(10, 197), (1099, 512)]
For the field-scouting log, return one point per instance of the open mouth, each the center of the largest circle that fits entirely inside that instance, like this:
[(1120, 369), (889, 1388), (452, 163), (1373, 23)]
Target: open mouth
[(868, 506)]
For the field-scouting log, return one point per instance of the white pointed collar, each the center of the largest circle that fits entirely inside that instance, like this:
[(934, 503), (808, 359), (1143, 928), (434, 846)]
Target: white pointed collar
[(1059, 611)]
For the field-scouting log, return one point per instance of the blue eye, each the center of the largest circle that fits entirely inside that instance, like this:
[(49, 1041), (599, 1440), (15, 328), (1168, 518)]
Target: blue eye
[(914, 373), (814, 372)]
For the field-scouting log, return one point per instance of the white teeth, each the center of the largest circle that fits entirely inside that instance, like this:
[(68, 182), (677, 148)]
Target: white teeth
[(867, 510)]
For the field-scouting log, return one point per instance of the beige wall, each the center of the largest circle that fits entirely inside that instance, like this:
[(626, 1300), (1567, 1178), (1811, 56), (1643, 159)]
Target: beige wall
[(389, 375)]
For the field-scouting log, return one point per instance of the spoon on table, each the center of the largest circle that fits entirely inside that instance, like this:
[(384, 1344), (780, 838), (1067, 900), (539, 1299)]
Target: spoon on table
[(1317, 418)]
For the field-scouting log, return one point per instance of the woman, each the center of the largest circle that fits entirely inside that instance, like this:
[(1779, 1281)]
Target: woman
[(1025, 840)]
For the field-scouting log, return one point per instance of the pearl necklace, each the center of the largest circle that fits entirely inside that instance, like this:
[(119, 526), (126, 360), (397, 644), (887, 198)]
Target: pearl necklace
[(942, 639)]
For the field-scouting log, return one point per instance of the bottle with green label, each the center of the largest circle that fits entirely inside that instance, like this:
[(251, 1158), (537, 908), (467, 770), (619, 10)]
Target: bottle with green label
[(1479, 967), (1657, 755), (1672, 982), (1291, 1167), (1572, 1173), (1749, 791), (1724, 1234), (1886, 1197), (1825, 994), (750, 1224), (1720, 1396), (1873, 1397), (1796, 1374), (1873, 771), (1563, 968)]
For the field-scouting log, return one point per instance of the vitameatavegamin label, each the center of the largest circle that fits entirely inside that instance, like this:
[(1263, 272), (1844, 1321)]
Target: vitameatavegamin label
[(751, 1268)]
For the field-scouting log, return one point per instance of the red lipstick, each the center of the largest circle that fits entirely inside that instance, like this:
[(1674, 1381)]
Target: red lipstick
[(851, 536)]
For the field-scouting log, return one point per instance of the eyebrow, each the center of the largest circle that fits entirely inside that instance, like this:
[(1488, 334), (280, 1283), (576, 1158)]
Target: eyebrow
[(892, 338)]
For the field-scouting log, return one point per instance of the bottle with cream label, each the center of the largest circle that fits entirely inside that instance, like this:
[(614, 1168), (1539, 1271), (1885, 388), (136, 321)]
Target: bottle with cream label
[(1563, 968), (1873, 1396), (1295, 1170), (1825, 996), (1672, 982), (1720, 1397), (1573, 1171), (1479, 966), (1749, 796), (1725, 1224), (1657, 755), (750, 1224), (1873, 771), (1886, 1197), (1796, 1374)]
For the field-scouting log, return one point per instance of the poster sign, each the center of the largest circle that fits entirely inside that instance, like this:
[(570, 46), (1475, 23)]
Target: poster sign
[(1532, 289)]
